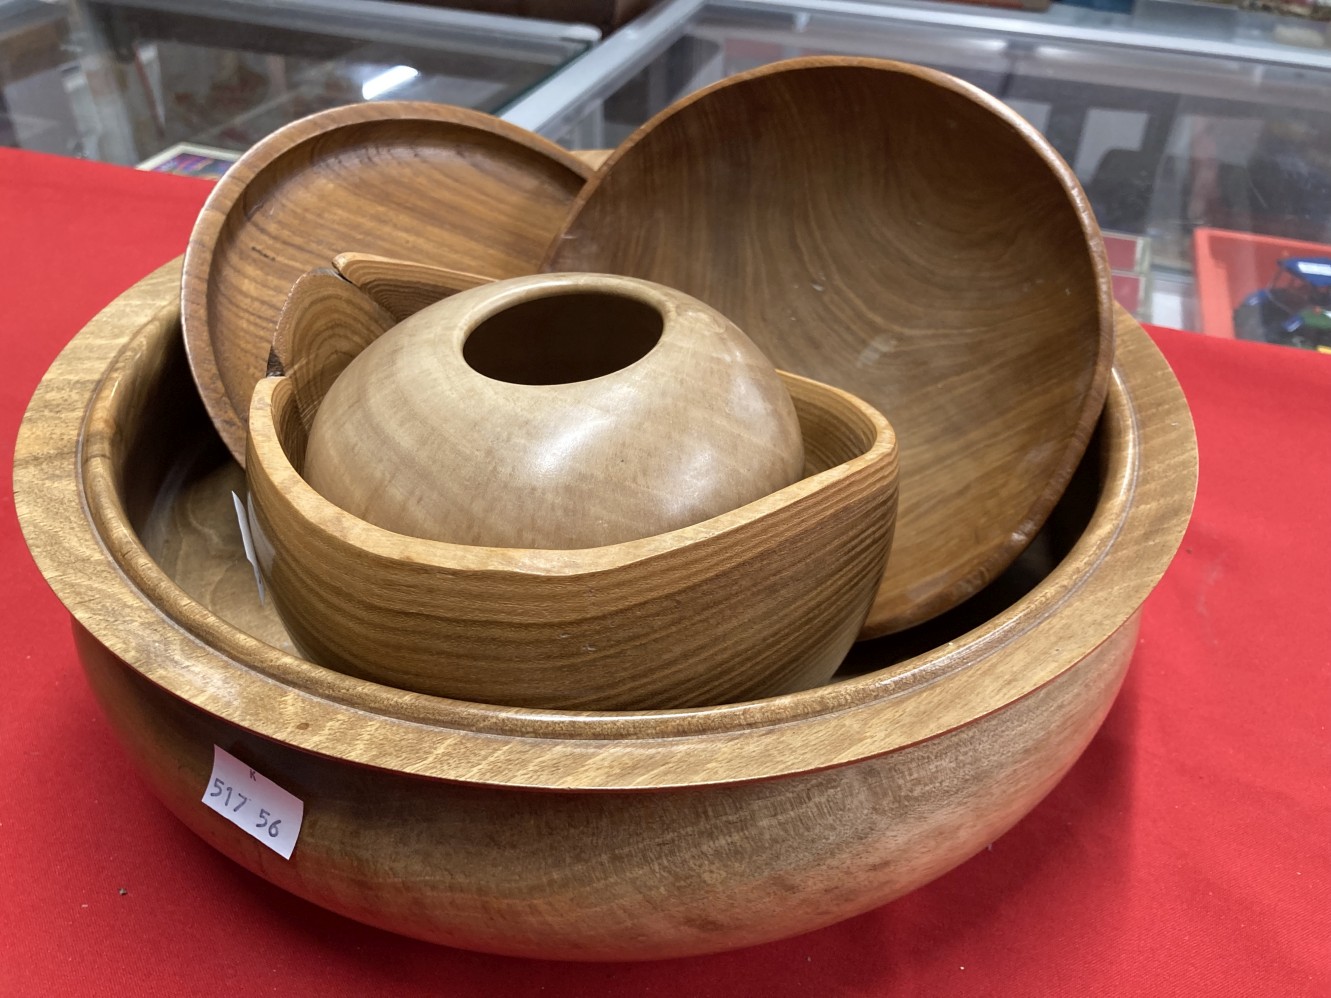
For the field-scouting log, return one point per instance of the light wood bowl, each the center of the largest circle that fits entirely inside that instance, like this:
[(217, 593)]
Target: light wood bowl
[(763, 598), (551, 411), (654, 834)]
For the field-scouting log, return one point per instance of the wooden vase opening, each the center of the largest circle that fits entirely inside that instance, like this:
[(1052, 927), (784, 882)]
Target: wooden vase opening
[(563, 339)]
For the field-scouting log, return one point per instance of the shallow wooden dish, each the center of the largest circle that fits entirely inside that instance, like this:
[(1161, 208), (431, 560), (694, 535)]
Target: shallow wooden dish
[(654, 834), (426, 182), (900, 234)]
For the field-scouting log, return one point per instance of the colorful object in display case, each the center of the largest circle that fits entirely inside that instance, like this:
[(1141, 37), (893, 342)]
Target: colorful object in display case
[(1294, 309), (1237, 268)]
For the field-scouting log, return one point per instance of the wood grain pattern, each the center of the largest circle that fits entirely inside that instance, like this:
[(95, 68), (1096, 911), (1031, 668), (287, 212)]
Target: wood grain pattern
[(427, 182), (897, 233), (709, 828), (127, 367), (620, 875), (554, 411), (326, 323), (759, 600), (403, 287)]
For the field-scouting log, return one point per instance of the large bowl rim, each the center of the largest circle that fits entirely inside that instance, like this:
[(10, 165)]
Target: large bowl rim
[(1132, 536)]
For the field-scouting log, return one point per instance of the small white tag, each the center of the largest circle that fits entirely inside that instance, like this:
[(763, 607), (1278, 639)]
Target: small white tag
[(248, 541), (254, 803)]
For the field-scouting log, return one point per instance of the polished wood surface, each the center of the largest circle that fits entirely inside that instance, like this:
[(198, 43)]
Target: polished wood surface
[(763, 599), (416, 819), (326, 323), (619, 875), (403, 287), (556, 411), (897, 233), (425, 182)]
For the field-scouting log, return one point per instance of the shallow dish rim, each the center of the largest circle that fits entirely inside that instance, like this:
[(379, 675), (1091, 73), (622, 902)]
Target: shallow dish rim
[(211, 373)]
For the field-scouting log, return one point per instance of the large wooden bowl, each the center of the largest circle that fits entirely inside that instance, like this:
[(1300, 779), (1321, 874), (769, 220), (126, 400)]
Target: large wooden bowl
[(652, 834)]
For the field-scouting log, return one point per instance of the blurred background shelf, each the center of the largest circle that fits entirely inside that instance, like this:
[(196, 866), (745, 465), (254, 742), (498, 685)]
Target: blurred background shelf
[(1168, 131), (122, 80), (1175, 115)]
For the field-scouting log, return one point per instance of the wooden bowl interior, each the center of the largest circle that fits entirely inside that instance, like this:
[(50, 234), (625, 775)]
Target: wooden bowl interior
[(125, 497), (175, 480), (896, 233)]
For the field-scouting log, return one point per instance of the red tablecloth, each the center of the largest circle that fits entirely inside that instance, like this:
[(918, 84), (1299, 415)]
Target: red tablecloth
[(1187, 853)]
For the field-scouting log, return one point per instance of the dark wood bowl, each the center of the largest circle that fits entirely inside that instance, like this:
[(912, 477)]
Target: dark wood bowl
[(896, 232), (577, 835)]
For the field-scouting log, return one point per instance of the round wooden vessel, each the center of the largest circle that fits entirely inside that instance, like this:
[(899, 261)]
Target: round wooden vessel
[(561, 834), (896, 232), (554, 411), (453, 584)]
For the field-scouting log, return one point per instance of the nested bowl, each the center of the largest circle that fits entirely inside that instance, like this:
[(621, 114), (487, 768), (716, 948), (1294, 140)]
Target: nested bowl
[(901, 234), (552, 411), (578, 835), (760, 599)]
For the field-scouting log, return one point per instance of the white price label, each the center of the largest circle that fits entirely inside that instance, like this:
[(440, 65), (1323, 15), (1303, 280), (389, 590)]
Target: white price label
[(255, 803)]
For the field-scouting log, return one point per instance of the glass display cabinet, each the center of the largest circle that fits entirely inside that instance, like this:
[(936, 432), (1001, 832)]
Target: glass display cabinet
[(127, 80), (1201, 136), (1206, 156)]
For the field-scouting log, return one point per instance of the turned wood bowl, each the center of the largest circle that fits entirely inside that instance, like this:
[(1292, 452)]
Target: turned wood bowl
[(653, 834), (555, 411), (896, 232), (760, 594)]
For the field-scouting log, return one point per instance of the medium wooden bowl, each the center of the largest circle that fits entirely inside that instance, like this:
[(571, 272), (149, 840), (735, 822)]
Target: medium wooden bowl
[(656, 833), (898, 233), (761, 599)]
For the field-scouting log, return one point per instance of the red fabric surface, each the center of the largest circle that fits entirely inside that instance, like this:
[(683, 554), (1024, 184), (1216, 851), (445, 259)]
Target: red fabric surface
[(1187, 853)]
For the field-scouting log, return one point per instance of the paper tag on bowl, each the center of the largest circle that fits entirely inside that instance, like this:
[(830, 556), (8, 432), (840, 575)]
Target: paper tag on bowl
[(254, 803)]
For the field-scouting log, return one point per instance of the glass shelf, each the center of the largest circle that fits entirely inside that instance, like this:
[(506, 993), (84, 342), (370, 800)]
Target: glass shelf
[(124, 80), (1222, 129)]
